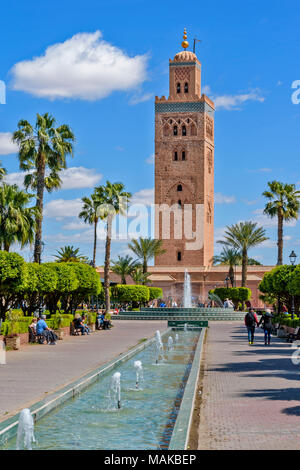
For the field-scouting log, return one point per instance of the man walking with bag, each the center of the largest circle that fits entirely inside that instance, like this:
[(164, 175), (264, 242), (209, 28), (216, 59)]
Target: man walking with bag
[(250, 322)]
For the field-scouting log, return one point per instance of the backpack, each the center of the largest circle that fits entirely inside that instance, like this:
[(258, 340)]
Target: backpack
[(250, 321)]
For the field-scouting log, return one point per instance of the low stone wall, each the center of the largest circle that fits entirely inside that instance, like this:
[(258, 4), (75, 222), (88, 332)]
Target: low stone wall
[(24, 337)]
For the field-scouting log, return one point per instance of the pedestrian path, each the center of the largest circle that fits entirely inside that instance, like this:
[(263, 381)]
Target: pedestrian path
[(251, 394), (37, 370)]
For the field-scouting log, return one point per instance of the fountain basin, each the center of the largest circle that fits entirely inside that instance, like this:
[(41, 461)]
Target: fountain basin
[(57, 430)]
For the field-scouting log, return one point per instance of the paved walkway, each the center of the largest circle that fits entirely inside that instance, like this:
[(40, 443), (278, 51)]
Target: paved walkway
[(251, 394), (37, 370)]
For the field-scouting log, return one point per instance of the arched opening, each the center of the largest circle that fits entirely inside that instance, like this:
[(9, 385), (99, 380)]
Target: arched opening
[(179, 187), (175, 156), (178, 255), (183, 155), (178, 87), (186, 87), (179, 204), (175, 130), (183, 130)]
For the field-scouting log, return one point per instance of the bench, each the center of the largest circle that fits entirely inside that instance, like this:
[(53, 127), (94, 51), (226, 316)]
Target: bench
[(34, 338), (293, 336), (74, 331)]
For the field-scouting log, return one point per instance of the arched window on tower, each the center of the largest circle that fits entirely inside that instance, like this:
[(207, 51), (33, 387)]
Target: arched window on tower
[(178, 87), (175, 156), (186, 87), (179, 187), (175, 130), (178, 255), (183, 155), (179, 204), (183, 130)]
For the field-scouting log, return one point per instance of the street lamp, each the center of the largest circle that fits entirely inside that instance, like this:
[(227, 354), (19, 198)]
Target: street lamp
[(293, 258)]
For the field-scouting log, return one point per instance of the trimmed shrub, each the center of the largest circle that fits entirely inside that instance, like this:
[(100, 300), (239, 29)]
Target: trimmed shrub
[(155, 293), (131, 293)]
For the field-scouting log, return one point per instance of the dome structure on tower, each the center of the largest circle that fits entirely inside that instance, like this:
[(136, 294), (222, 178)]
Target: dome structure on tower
[(185, 56)]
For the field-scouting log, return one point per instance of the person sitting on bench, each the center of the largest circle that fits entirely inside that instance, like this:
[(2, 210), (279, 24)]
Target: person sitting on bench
[(99, 320), (43, 330), (78, 325)]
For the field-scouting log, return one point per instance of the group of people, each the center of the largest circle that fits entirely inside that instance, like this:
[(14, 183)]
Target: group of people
[(251, 321), (103, 320), (42, 331)]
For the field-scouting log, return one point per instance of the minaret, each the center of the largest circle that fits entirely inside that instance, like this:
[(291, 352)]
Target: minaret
[(184, 166)]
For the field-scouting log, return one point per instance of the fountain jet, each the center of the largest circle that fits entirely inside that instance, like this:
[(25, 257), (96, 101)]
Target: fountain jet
[(25, 433), (139, 372), (159, 346), (115, 388)]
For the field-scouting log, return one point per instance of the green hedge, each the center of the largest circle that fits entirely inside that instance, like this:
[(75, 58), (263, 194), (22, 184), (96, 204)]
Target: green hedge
[(131, 293), (236, 294)]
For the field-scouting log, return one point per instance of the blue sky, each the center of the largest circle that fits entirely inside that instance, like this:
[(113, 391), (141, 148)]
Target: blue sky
[(249, 55)]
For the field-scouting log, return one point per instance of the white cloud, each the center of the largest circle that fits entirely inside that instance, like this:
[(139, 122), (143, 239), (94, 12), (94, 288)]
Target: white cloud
[(150, 160), (6, 145), (136, 99), (61, 208), (79, 177), (84, 66), (75, 226), (144, 196), (268, 222), (72, 178), (232, 102), (222, 199)]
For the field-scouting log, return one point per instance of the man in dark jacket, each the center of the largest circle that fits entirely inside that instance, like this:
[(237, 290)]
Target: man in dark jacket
[(266, 322), (250, 322)]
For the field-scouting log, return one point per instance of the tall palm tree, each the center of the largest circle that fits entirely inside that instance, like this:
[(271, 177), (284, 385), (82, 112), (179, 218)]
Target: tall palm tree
[(114, 201), (230, 257), (42, 152), (2, 172), (145, 249), (124, 266), (17, 221), (69, 254), (284, 203), (242, 237), (139, 277), (90, 215)]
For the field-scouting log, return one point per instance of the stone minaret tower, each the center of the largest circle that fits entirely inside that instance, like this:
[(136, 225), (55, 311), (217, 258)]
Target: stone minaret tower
[(184, 166)]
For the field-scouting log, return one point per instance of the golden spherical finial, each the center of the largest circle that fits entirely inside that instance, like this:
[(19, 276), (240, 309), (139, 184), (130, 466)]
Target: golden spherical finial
[(185, 43)]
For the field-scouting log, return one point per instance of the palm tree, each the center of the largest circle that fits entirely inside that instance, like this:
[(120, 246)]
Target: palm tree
[(145, 249), (42, 152), (114, 201), (2, 172), (69, 254), (284, 203), (242, 237), (17, 221), (139, 277), (124, 266), (90, 215), (230, 257)]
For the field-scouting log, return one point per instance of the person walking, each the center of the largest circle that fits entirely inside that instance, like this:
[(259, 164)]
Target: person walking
[(266, 322), (251, 321)]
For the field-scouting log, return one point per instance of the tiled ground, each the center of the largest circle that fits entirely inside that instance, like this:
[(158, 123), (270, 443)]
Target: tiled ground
[(251, 394)]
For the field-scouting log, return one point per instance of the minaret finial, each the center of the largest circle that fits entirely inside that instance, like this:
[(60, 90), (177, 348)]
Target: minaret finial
[(185, 43)]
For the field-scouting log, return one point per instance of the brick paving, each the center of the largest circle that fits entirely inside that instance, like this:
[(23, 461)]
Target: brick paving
[(251, 394), (37, 370)]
